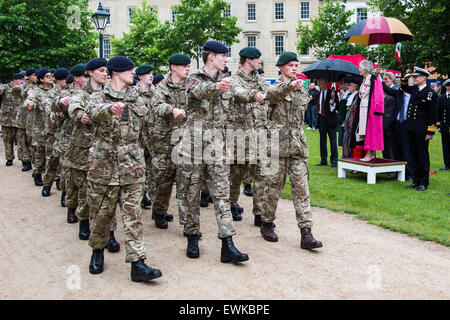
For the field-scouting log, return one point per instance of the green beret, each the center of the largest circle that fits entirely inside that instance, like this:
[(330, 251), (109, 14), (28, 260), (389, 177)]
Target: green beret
[(250, 52), (179, 59), (286, 57), (144, 69), (78, 70)]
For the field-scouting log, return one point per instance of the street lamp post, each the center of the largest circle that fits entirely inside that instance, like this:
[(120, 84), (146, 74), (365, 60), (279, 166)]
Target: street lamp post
[(100, 20)]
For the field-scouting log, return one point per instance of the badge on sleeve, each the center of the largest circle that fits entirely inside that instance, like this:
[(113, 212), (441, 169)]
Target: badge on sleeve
[(430, 95), (191, 82)]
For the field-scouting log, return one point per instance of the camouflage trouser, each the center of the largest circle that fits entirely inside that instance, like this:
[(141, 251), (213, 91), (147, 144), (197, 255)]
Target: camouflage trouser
[(149, 175), (165, 174), (103, 199), (298, 176), (219, 187), (237, 174), (248, 178), (54, 168), (76, 188), (38, 156), (23, 150), (9, 137), (258, 188)]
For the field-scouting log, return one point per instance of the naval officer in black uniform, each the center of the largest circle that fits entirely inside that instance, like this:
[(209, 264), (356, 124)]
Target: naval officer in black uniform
[(421, 125), (444, 123)]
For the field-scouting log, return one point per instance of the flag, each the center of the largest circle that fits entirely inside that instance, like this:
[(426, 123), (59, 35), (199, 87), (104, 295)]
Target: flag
[(398, 52)]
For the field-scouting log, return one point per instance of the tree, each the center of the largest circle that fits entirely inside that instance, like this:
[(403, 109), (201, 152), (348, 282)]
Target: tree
[(144, 43), (429, 22), (327, 32), (44, 34)]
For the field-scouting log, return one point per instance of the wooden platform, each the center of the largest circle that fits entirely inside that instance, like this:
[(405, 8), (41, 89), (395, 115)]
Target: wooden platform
[(372, 168)]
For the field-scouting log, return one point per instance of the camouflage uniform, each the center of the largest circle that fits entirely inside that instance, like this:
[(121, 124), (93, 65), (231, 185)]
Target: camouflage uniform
[(207, 110), (41, 99), (28, 87), (23, 150), (117, 168), (168, 95), (146, 140), (8, 113), (285, 116)]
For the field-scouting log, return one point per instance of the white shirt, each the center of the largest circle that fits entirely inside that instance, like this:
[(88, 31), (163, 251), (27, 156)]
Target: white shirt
[(350, 98), (422, 87)]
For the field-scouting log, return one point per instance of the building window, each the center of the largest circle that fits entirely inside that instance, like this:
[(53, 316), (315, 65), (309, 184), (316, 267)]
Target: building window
[(130, 15), (106, 48), (251, 41), (251, 12), (227, 12), (229, 50), (109, 18), (304, 51), (361, 14), (279, 45), (279, 11), (174, 14), (304, 10)]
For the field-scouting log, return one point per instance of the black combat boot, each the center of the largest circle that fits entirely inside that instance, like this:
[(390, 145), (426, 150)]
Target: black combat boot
[(38, 180), (229, 253), (192, 247), (26, 166), (268, 233), (239, 208), (168, 217), (257, 220), (9, 163), (96, 265), (71, 216), (58, 184), (145, 202), (141, 272), (63, 199), (308, 241), (161, 222), (84, 232), (112, 245), (248, 190), (46, 191), (235, 214), (204, 201)]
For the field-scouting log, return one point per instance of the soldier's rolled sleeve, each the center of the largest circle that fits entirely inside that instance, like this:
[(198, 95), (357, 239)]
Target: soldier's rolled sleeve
[(160, 107), (76, 108), (202, 91)]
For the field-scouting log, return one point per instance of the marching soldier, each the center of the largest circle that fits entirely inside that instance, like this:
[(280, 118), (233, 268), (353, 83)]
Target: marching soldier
[(421, 125), (26, 89), (117, 171), (444, 123), (168, 108), (11, 101), (286, 114), (39, 102)]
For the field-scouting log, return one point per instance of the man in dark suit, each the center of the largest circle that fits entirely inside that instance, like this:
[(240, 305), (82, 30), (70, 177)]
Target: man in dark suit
[(399, 142), (326, 115), (444, 123), (388, 124), (421, 125)]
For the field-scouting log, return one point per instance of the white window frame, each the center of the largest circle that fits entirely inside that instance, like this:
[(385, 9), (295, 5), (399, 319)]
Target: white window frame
[(248, 11), (130, 14), (109, 18), (173, 14), (227, 12), (359, 12), (248, 41), (283, 37), (301, 10), (106, 48), (275, 11)]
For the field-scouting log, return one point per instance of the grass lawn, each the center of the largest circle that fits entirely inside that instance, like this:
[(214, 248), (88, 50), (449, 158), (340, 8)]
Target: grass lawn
[(388, 204)]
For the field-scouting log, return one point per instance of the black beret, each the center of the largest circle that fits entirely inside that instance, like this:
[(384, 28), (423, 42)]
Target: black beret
[(52, 70), (260, 70), (215, 46), (179, 59), (30, 72), (17, 76), (61, 74), (120, 64), (96, 63), (286, 57), (70, 79), (78, 70), (144, 69), (23, 73), (157, 78), (41, 73), (250, 52)]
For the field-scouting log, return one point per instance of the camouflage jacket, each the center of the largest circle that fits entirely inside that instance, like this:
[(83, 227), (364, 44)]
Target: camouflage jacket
[(41, 98), (168, 95), (28, 115), (53, 122), (147, 131), (81, 137), (67, 123), (116, 157), (10, 104), (286, 116), (209, 107)]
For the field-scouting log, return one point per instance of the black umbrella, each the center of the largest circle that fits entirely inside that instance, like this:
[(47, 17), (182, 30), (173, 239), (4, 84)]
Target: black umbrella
[(334, 70)]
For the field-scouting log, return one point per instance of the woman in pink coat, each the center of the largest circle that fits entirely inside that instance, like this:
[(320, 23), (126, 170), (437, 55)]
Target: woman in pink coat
[(371, 111)]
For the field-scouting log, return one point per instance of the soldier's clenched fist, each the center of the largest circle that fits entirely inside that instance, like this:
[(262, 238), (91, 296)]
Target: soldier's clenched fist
[(117, 108)]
